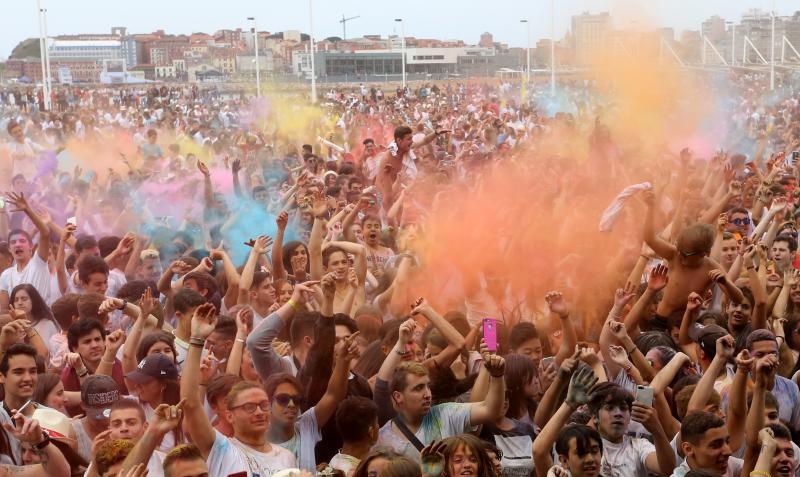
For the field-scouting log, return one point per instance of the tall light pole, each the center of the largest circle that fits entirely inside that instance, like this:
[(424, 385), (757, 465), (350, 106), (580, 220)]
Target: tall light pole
[(772, 52), (43, 54), (553, 47), (403, 48), (258, 65), (47, 59), (733, 43), (311, 41), (528, 52)]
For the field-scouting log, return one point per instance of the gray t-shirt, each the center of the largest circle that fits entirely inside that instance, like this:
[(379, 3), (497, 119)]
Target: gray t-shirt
[(443, 420)]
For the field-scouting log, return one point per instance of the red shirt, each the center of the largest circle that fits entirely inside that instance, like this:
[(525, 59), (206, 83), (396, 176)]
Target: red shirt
[(71, 383)]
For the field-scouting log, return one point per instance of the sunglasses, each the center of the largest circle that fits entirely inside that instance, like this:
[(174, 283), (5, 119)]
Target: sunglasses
[(745, 221), (250, 407), (284, 400)]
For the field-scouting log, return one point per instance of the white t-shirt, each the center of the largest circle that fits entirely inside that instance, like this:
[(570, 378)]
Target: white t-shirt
[(443, 420), (306, 436), (35, 273), (734, 468), (626, 459), (229, 456)]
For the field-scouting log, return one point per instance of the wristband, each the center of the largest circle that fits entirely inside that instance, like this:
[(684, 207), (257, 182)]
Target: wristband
[(293, 304), (754, 473), (197, 342), (239, 340), (45, 441), (82, 374), (124, 304), (631, 351)]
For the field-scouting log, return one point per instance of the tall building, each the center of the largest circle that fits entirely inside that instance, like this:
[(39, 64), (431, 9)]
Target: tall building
[(589, 33), (487, 40), (714, 29)]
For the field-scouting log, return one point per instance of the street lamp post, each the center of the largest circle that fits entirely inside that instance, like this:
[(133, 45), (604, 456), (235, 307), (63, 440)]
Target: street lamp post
[(43, 55), (553, 47), (258, 65), (313, 61), (528, 53), (47, 59), (403, 49), (772, 52), (733, 43)]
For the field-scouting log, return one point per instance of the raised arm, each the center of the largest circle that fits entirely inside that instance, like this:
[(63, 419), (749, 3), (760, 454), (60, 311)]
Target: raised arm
[(360, 253), (260, 247), (555, 301), (455, 342), (244, 321), (278, 272), (702, 392), (165, 419), (657, 282), (578, 394), (61, 270), (317, 233), (660, 246), (21, 204), (231, 275), (346, 350), (53, 463), (737, 405), (131, 345), (195, 420), (488, 410), (396, 354)]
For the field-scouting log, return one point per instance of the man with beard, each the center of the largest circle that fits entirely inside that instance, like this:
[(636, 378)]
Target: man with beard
[(27, 267)]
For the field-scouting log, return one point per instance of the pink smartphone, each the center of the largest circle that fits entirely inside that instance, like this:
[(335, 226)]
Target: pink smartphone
[(490, 333)]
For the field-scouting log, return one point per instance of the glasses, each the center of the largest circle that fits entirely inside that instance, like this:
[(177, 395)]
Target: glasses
[(744, 221), (250, 407), (284, 400)]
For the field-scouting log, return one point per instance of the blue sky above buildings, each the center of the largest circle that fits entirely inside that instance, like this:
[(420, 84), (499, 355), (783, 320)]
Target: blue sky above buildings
[(443, 19)]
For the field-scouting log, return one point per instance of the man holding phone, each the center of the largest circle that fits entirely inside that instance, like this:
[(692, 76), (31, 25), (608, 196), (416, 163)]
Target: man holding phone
[(613, 408)]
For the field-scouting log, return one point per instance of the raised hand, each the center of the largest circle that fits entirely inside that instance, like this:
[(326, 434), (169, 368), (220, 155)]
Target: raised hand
[(347, 348), (623, 296), (236, 165), (407, 330), (209, 366), (109, 304), (352, 278), (13, 332), (147, 304), (569, 365), (722, 222), (644, 415), (580, 386), (744, 362), (203, 169), (328, 284), (420, 306), (588, 354), (433, 459), (18, 201), (319, 204), (618, 330), (167, 418), (282, 220), (658, 278), (244, 321), (302, 291), (695, 301), (262, 244), (555, 301), (726, 347), (204, 320), (114, 341), (716, 275), (618, 355), (179, 267), (218, 253), (24, 429), (496, 365)]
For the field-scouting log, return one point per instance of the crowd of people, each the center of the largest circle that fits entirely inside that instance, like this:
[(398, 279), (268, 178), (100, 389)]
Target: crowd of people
[(408, 283)]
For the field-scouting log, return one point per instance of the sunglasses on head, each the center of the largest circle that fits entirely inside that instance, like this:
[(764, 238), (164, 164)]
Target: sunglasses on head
[(284, 399), (744, 221)]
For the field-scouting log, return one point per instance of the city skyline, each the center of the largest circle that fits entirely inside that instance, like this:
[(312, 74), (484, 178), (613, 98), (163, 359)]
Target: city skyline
[(186, 18)]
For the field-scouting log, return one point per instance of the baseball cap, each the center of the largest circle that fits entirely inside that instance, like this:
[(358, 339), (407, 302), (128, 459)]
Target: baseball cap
[(154, 366), (698, 332), (98, 393)]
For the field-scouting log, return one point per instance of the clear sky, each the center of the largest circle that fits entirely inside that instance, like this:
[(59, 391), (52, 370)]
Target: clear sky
[(444, 19)]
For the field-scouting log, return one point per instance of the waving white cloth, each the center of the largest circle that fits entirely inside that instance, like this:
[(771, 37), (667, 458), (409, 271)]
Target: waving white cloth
[(611, 214)]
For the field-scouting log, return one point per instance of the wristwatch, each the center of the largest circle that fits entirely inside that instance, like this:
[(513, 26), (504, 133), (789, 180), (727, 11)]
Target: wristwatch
[(123, 305), (45, 441)]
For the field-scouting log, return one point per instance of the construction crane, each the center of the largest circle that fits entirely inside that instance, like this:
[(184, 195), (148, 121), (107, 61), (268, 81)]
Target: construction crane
[(344, 21)]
